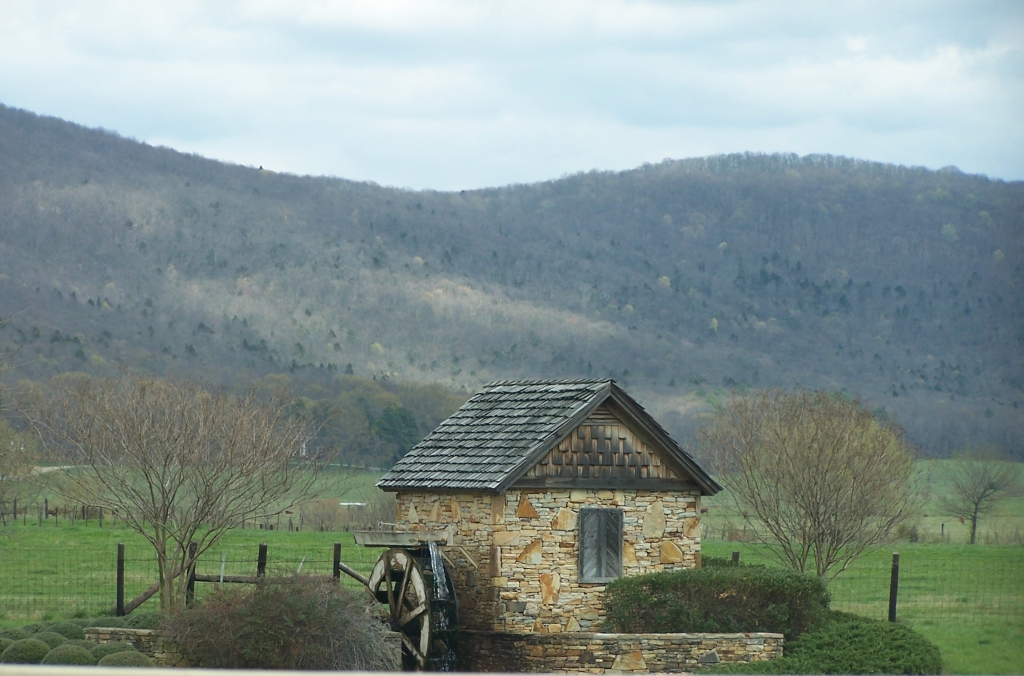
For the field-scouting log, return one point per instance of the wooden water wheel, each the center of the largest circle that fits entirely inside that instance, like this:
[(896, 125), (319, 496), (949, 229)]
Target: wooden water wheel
[(398, 581), (422, 606)]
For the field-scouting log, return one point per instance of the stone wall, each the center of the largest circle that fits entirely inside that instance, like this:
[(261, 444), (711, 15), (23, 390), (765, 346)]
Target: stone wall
[(517, 555), (598, 653), (152, 642)]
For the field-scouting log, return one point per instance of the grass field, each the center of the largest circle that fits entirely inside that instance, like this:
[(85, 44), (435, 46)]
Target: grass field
[(969, 600)]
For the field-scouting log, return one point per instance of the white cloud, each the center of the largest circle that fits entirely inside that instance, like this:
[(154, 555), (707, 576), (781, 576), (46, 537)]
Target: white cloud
[(427, 93)]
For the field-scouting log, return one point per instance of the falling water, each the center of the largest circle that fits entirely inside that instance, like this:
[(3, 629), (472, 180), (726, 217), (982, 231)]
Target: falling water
[(437, 566)]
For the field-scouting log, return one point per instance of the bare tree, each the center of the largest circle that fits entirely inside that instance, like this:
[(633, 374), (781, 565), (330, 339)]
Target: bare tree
[(818, 479), (978, 481), (18, 457), (178, 462)]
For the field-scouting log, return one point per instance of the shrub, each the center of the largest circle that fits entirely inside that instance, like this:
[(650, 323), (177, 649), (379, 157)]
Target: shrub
[(82, 642), (67, 630), (108, 621), (720, 597), (69, 654), (297, 622), (144, 620), (25, 651), (849, 644), (4, 642), (83, 621), (34, 628), (50, 638), (128, 658), (14, 633), (101, 651)]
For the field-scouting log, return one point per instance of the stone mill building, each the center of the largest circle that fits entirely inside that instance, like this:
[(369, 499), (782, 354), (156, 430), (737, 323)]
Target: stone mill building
[(544, 491)]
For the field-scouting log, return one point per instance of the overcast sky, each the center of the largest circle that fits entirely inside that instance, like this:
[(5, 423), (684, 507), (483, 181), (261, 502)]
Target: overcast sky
[(450, 95)]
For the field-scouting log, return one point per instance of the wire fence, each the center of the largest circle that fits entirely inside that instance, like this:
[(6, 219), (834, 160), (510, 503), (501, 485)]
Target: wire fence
[(70, 571), (71, 575)]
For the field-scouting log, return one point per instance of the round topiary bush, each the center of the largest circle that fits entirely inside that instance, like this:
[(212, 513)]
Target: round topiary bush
[(69, 654), (67, 630), (50, 638), (4, 642), (107, 621), (81, 642), (14, 633), (25, 651), (102, 650), (129, 658), (144, 620), (34, 628)]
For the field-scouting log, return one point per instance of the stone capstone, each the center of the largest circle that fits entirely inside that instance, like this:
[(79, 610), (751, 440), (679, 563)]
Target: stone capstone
[(531, 554), (670, 552), (654, 521)]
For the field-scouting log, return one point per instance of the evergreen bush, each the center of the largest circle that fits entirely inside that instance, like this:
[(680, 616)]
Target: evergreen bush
[(144, 620), (720, 598), (14, 633), (50, 638), (106, 621), (82, 642), (69, 654), (4, 642), (104, 649), (34, 628), (848, 644), (128, 658), (67, 630), (25, 651)]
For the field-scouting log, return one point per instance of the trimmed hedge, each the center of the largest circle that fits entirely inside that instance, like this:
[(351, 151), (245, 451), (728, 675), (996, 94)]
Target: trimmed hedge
[(106, 621), (129, 658), (82, 642), (849, 644), (68, 630), (50, 638), (14, 633), (144, 620), (4, 642), (112, 648), (717, 598), (25, 651), (69, 654)]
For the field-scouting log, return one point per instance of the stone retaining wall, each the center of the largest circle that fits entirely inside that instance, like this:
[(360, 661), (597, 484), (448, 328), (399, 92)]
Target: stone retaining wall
[(153, 642), (600, 653)]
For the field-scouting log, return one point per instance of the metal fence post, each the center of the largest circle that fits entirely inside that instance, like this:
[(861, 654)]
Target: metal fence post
[(261, 560), (120, 580), (736, 558), (894, 585), (337, 561)]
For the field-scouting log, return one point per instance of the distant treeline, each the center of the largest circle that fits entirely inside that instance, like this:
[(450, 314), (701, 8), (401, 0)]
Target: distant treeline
[(683, 280)]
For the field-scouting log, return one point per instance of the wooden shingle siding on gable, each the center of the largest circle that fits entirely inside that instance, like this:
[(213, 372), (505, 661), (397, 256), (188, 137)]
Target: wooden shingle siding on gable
[(601, 448)]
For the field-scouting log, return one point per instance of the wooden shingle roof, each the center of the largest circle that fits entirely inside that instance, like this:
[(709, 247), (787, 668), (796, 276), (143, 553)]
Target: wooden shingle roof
[(504, 429)]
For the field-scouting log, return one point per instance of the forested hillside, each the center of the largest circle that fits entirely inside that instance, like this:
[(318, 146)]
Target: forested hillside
[(682, 280)]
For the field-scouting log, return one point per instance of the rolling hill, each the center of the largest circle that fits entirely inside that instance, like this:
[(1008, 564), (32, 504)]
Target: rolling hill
[(683, 280)]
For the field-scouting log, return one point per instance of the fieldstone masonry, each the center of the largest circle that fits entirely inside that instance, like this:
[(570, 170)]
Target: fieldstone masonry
[(153, 642), (596, 653), (516, 556)]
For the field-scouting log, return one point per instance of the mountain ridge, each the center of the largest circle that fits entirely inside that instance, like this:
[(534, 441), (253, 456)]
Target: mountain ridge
[(682, 279)]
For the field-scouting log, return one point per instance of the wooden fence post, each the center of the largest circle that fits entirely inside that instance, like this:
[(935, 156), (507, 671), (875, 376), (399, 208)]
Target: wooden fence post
[(46, 507), (261, 560), (894, 585), (190, 588), (337, 561), (736, 558), (101, 516), (120, 580)]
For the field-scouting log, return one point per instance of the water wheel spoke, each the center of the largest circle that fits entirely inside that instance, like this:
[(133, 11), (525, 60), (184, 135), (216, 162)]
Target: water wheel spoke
[(405, 585), (411, 615), (421, 659), (389, 586)]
